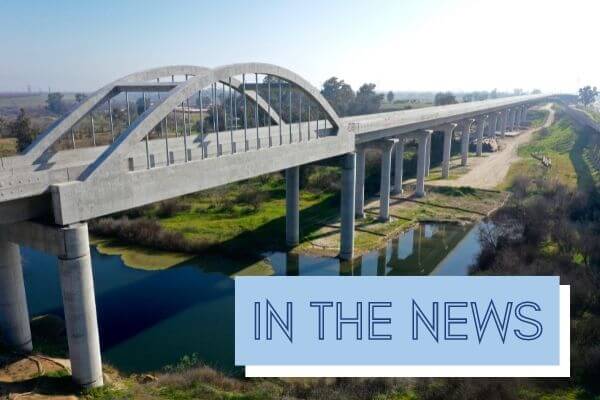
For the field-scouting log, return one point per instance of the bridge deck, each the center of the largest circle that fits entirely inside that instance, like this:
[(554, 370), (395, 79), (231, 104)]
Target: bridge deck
[(23, 181)]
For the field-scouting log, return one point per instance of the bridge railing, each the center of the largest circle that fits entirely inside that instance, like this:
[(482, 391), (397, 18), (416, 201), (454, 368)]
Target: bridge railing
[(225, 111)]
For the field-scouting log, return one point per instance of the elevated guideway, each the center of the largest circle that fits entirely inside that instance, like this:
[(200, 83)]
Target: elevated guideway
[(252, 119)]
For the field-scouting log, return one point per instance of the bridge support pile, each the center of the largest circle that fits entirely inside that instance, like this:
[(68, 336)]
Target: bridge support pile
[(360, 182), (464, 142), (14, 319), (347, 206), (292, 206), (385, 179), (399, 167), (448, 132), (71, 245)]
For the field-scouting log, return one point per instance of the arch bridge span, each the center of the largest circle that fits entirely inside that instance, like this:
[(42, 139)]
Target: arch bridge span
[(170, 131)]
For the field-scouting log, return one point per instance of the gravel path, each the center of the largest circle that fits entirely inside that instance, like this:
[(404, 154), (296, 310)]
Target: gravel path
[(489, 171)]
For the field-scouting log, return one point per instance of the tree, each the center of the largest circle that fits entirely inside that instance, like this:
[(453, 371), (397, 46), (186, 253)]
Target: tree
[(443, 98), (536, 91), (494, 94), (21, 129), (55, 104), (390, 96), (518, 92), (339, 94), (366, 100), (80, 97), (587, 95)]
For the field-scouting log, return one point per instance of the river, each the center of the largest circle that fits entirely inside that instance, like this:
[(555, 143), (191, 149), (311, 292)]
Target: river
[(149, 319)]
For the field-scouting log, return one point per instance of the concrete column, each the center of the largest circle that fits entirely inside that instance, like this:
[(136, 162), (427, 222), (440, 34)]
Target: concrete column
[(347, 206), (503, 122), (464, 142), (384, 185), (480, 127), (399, 167), (14, 318), (428, 155), (360, 182), (492, 122), (518, 118), (513, 116), (79, 302), (421, 160), (448, 131), (292, 206), (524, 114)]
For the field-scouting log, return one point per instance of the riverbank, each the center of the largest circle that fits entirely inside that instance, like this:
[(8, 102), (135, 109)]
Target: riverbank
[(551, 226), (249, 218), (189, 379)]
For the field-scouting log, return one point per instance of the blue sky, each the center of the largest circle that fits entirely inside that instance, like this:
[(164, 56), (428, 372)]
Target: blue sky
[(399, 45)]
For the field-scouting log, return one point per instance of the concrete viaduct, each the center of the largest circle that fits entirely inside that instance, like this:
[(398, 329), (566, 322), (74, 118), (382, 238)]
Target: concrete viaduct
[(47, 193)]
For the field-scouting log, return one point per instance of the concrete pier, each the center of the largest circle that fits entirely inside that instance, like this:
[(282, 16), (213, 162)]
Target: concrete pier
[(398, 167), (292, 206), (14, 317), (385, 180), (464, 142), (518, 118), (428, 155), (503, 122), (524, 114), (347, 206), (79, 302), (421, 159), (448, 131), (360, 182), (480, 128), (492, 122), (513, 116)]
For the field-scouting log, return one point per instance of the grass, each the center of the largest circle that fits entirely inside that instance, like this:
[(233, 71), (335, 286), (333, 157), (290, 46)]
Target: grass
[(216, 221), (140, 257), (8, 147), (231, 226), (567, 145), (442, 204)]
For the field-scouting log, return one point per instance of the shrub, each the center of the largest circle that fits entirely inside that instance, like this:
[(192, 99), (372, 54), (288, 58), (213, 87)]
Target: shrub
[(323, 179), (251, 195), (169, 208), (145, 232)]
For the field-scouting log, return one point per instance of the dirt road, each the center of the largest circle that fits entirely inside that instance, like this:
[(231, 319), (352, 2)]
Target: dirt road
[(489, 171)]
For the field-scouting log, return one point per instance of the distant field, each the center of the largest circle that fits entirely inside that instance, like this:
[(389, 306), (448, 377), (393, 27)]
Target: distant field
[(26, 100), (404, 105), (572, 150)]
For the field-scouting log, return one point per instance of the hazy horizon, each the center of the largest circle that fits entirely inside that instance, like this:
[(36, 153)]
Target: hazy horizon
[(411, 46)]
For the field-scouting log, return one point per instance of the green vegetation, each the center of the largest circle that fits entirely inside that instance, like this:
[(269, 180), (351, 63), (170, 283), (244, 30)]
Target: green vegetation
[(551, 226), (140, 257), (587, 95), (442, 204), (571, 149), (8, 147), (248, 219)]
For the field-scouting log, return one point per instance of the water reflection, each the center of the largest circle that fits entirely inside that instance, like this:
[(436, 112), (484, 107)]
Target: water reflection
[(148, 319), (417, 252)]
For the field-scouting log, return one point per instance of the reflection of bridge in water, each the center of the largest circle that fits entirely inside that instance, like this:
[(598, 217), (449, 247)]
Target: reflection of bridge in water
[(418, 251), (261, 119)]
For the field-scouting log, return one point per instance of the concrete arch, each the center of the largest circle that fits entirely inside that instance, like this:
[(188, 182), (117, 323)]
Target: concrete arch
[(35, 151), (43, 142), (108, 161)]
